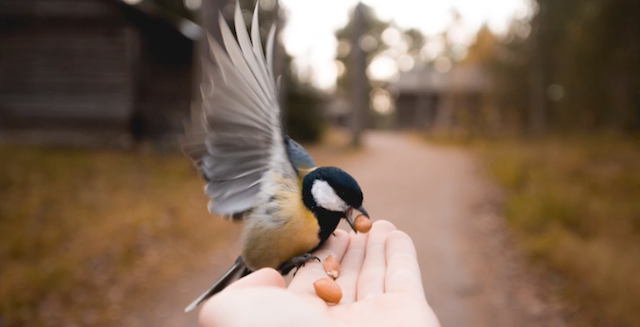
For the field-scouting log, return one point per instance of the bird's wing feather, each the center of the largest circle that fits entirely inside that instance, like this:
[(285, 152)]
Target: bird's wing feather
[(236, 138), (299, 158)]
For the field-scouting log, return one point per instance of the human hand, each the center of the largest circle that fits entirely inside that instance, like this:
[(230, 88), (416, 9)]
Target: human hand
[(380, 281)]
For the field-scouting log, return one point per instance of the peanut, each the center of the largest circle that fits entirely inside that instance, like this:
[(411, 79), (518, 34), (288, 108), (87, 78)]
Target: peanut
[(331, 266), (328, 290), (362, 224)]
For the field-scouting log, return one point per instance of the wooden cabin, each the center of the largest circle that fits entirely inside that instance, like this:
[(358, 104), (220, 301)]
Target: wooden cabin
[(426, 98), (93, 72)]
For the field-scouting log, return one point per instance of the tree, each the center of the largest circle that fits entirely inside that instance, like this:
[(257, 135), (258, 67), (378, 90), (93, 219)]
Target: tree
[(576, 70)]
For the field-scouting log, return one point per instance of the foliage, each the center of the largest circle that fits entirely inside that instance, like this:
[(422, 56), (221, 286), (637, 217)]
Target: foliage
[(592, 49), (373, 46), (572, 66), (88, 236), (303, 116), (574, 205), (373, 28)]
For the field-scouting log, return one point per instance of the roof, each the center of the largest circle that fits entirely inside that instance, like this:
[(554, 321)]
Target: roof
[(146, 12), (460, 79)]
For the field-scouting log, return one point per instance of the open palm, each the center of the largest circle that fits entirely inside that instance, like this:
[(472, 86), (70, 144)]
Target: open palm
[(380, 281)]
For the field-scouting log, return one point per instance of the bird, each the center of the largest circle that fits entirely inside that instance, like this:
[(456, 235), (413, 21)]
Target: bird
[(253, 171)]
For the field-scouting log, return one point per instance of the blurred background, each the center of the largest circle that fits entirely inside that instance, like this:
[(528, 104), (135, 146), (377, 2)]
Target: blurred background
[(502, 135)]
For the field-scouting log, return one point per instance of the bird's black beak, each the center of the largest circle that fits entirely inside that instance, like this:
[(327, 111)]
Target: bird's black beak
[(352, 213)]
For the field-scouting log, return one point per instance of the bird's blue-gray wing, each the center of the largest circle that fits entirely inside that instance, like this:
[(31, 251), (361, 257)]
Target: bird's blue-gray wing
[(298, 156), (235, 138)]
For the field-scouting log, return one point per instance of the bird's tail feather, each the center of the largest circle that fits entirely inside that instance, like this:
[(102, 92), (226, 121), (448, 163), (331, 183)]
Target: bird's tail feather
[(238, 270)]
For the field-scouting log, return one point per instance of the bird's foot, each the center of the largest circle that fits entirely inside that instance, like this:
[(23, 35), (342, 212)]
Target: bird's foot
[(296, 262)]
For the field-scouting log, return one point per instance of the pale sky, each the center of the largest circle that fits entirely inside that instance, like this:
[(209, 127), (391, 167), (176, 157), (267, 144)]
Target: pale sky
[(309, 33)]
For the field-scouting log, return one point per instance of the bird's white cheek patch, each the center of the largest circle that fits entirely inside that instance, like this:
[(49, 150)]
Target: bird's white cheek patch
[(326, 197)]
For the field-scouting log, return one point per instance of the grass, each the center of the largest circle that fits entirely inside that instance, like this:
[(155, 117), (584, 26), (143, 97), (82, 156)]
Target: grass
[(86, 236), (574, 204)]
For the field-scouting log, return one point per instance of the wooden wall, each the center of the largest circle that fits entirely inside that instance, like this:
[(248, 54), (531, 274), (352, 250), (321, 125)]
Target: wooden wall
[(416, 110), (64, 63), (165, 73), (92, 65)]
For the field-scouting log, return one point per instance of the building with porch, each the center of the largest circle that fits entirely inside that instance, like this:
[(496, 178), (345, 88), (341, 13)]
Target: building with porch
[(93, 72), (426, 98)]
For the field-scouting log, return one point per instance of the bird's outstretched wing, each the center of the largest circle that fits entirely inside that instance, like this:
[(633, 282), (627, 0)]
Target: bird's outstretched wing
[(236, 138)]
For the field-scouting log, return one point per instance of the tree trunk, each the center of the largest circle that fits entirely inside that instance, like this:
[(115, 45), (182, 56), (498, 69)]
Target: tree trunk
[(359, 98)]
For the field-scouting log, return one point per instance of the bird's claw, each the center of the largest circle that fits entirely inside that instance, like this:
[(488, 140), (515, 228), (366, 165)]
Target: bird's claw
[(297, 262)]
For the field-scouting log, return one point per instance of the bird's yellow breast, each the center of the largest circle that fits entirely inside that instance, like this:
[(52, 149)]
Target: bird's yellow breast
[(287, 231)]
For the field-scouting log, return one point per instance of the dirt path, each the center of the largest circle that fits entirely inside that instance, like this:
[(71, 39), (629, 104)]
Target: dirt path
[(472, 274)]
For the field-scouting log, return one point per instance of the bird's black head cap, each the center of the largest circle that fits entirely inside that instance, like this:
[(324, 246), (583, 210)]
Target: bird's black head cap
[(331, 194), (319, 186)]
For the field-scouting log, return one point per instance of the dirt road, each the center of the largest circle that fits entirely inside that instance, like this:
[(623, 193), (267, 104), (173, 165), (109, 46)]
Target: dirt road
[(472, 274)]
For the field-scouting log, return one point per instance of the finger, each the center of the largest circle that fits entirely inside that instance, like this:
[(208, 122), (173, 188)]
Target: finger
[(351, 265), (262, 277), (262, 306), (371, 279), (403, 272), (336, 246)]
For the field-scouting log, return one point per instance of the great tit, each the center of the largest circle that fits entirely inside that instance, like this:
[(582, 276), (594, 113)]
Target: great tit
[(254, 172)]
